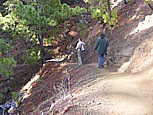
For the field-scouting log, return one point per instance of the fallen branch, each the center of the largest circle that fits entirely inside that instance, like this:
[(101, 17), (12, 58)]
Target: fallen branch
[(57, 60)]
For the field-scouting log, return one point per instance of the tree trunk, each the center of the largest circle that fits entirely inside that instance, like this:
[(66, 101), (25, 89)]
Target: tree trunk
[(150, 6), (40, 36), (109, 9)]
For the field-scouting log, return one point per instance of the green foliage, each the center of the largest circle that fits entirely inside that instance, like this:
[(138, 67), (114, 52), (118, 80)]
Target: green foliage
[(99, 11), (48, 40), (82, 33), (52, 12), (147, 1), (7, 62), (82, 25), (6, 65), (15, 28), (22, 21), (8, 23), (113, 20), (96, 13), (1, 95), (77, 10), (82, 29), (4, 46), (63, 11), (29, 16), (2, 98), (14, 94), (32, 56)]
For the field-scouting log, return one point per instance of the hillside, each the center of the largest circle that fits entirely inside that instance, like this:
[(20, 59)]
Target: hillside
[(123, 87)]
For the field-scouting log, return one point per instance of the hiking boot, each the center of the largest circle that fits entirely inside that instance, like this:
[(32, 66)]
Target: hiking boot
[(100, 67)]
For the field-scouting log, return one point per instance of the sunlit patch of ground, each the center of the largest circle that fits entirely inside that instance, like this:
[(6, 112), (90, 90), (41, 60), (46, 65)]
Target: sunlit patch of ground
[(118, 94), (28, 86)]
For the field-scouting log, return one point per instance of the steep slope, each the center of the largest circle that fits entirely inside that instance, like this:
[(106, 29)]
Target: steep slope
[(94, 91), (132, 39)]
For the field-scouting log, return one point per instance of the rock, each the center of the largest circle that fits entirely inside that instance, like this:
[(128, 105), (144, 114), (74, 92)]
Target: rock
[(127, 52), (124, 67)]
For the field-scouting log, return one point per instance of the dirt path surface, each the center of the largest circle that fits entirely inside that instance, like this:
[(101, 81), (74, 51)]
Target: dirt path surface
[(112, 93), (102, 92)]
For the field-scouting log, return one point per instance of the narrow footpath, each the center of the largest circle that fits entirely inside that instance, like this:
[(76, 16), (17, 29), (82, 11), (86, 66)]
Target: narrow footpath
[(112, 93)]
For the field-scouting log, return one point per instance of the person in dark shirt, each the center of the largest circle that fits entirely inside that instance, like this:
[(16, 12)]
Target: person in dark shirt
[(101, 49)]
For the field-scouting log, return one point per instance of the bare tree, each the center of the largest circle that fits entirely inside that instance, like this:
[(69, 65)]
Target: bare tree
[(109, 9)]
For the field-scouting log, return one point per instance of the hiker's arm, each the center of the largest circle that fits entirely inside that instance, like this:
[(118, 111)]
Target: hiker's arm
[(77, 46), (107, 44), (96, 45)]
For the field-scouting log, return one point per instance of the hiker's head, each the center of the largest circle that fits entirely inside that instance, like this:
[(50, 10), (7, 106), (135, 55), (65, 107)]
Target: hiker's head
[(80, 39), (102, 36)]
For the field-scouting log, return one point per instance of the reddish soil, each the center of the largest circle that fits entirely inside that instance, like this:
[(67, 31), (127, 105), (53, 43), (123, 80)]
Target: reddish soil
[(94, 91)]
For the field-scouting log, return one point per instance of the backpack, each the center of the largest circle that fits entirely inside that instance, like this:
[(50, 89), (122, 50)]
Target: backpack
[(83, 47)]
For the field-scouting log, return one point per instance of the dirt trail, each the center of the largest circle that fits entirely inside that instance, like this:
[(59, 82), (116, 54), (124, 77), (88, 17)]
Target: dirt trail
[(112, 93), (103, 92)]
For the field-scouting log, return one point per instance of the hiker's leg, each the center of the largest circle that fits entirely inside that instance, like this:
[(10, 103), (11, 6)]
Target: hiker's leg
[(79, 57), (102, 60), (83, 54), (99, 61)]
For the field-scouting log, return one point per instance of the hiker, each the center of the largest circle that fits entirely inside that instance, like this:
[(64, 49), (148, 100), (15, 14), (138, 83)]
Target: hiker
[(80, 47), (124, 1), (101, 49)]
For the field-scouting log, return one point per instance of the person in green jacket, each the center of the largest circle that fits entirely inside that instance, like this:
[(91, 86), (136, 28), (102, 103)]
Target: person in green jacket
[(101, 49)]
